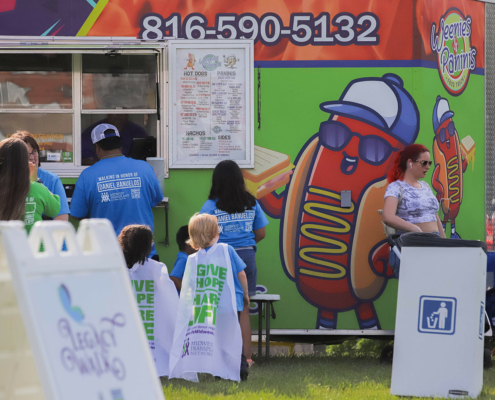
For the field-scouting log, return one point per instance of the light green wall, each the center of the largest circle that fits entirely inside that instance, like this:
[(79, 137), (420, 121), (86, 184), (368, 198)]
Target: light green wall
[(290, 114)]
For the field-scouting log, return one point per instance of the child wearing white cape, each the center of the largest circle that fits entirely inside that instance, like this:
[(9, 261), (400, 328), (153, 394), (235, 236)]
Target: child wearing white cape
[(207, 334), (155, 293)]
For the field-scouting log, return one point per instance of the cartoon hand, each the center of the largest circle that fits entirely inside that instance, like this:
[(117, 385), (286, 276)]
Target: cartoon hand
[(465, 160), (379, 261), (272, 204), (437, 186)]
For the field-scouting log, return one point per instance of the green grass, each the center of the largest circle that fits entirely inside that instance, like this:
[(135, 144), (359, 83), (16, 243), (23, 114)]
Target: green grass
[(304, 377)]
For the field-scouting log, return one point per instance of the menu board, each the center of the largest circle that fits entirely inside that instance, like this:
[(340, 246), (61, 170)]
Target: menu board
[(211, 103)]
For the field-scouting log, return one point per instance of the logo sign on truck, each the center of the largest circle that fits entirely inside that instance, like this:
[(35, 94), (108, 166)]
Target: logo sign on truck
[(456, 56)]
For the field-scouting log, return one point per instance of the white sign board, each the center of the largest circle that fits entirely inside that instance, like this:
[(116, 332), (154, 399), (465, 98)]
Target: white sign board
[(79, 312), (211, 103), (439, 328)]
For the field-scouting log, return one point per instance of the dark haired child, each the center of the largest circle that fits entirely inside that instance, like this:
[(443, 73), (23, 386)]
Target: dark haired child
[(185, 250), (155, 293), (242, 225)]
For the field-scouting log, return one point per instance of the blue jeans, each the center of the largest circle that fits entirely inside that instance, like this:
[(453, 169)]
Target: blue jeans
[(249, 258)]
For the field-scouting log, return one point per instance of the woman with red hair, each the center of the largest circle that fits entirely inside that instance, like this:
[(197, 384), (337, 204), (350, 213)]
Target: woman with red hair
[(410, 205)]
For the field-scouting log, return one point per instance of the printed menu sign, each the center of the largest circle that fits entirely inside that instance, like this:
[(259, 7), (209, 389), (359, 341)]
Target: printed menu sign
[(211, 118)]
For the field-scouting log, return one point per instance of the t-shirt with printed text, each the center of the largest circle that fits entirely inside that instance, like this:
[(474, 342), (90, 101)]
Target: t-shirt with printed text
[(237, 229), (237, 266), (120, 189), (40, 201)]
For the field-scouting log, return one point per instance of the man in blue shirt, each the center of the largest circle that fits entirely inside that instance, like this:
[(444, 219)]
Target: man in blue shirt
[(120, 189), (128, 131)]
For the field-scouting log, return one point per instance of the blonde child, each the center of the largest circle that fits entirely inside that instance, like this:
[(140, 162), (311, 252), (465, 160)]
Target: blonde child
[(214, 290)]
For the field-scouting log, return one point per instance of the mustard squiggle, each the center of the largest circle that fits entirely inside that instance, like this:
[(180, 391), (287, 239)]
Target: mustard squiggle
[(313, 231), (453, 179)]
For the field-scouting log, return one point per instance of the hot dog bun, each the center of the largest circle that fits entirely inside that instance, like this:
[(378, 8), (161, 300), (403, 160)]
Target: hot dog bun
[(292, 207), (368, 232)]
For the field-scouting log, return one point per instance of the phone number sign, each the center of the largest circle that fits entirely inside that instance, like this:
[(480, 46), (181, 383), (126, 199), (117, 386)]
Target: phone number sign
[(304, 29)]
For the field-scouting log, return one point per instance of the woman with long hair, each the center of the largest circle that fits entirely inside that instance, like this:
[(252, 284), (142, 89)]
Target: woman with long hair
[(242, 223), (14, 179), (410, 205), (47, 178), (21, 196)]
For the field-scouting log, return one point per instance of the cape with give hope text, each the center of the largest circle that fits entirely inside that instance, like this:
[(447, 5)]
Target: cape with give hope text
[(207, 333), (157, 301)]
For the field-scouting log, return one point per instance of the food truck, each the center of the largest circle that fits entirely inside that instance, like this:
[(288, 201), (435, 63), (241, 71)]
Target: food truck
[(257, 82)]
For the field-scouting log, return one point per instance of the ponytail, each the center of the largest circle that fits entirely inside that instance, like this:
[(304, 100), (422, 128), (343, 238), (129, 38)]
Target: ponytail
[(399, 165), (396, 172)]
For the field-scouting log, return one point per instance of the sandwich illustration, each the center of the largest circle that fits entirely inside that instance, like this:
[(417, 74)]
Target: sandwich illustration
[(467, 144), (271, 171)]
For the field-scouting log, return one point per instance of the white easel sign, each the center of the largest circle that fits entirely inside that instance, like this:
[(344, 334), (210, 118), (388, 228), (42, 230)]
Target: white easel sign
[(81, 319)]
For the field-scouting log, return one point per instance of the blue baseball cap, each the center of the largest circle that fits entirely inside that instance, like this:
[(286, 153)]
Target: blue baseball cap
[(103, 131), (380, 102), (441, 112)]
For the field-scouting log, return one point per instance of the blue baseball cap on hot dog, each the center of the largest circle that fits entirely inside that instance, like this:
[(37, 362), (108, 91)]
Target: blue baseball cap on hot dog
[(441, 112), (380, 102)]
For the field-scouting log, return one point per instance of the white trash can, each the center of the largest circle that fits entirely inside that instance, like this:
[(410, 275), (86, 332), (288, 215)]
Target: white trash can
[(438, 347)]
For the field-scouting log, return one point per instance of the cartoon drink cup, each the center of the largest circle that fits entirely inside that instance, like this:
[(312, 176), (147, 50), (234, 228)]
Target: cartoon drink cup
[(337, 255)]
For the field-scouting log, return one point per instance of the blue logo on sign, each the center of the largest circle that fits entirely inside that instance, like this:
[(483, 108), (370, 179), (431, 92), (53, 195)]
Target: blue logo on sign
[(210, 62), (437, 315)]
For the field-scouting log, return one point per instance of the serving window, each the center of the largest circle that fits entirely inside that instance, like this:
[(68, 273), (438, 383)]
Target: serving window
[(60, 95)]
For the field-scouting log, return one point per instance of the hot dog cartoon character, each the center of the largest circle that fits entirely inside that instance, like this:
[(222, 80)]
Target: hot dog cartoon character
[(191, 60), (450, 161), (337, 254)]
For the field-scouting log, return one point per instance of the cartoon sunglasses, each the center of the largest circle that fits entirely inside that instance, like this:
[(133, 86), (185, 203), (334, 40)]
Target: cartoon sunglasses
[(373, 149), (443, 132)]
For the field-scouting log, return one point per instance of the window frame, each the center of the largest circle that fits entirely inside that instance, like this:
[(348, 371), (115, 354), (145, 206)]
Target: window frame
[(77, 48)]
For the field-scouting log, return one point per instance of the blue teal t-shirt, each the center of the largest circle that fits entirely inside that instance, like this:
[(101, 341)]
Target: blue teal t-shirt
[(120, 189), (180, 265), (54, 185), (237, 229), (237, 266)]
